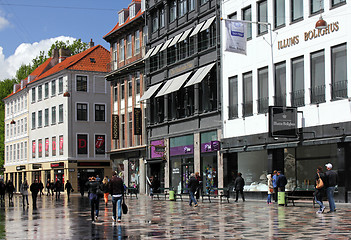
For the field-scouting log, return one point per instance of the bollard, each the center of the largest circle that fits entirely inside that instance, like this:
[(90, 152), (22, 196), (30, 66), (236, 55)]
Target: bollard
[(281, 198), (171, 195)]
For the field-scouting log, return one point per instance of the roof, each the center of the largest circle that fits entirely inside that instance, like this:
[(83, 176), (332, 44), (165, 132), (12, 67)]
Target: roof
[(117, 27), (82, 62)]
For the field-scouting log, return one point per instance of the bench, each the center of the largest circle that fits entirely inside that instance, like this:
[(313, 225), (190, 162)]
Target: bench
[(218, 192), (299, 195), (131, 191)]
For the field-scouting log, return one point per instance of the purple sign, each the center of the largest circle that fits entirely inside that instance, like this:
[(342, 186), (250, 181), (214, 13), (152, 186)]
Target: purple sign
[(210, 146), (157, 149), (181, 150)]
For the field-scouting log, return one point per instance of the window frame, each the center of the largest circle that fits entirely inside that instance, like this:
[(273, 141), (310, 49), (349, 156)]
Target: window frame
[(278, 24), (82, 115), (100, 113), (80, 86)]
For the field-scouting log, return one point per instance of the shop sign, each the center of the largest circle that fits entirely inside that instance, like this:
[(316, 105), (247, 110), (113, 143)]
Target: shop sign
[(175, 171), (115, 125), (137, 121), (210, 146), (283, 122), (93, 164), (36, 166), (57, 165), (71, 169), (22, 167), (99, 144), (181, 68), (82, 144), (181, 150), (157, 149)]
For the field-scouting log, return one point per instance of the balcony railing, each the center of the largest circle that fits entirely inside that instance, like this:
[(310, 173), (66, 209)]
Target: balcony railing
[(318, 94), (339, 90), (233, 111), (298, 98), (247, 109), (280, 100), (262, 105)]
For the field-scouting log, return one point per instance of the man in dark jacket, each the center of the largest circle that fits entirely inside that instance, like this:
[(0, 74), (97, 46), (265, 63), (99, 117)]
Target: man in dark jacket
[(57, 187), (116, 189), (281, 181), (331, 182), (35, 188), (2, 190), (239, 184), (10, 188), (193, 185), (68, 188)]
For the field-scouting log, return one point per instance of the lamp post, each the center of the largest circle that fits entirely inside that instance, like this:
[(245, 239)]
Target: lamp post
[(321, 23)]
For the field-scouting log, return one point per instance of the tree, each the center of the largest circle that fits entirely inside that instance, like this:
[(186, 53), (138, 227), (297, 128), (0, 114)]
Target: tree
[(76, 47)]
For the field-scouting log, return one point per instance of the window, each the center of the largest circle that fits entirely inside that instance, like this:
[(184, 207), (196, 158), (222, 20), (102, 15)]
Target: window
[(82, 83), (7, 154), (263, 98), (100, 144), (61, 113), (10, 153), (130, 86), (317, 77), (53, 87), (247, 94), (145, 34), (40, 119), (233, 97), (21, 151), (296, 10), (191, 5), (172, 11), (279, 13), (203, 1), (46, 147), (316, 6), (25, 125), (7, 130), (22, 126), (40, 93), (60, 145), (114, 56), (122, 91), (40, 148), (339, 72), (247, 17), (154, 22), (297, 82), (136, 43), (121, 50), (82, 112), (137, 83), (33, 98), (33, 120), (60, 85), (129, 46), (53, 115), (25, 150), (99, 112), (262, 17), (162, 18), (53, 146), (82, 143), (182, 9), (337, 2), (14, 152), (46, 121), (132, 11), (121, 17), (46, 90), (207, 38), (280, 84)]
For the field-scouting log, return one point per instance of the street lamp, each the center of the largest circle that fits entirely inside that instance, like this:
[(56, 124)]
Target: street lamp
[(321, 23)]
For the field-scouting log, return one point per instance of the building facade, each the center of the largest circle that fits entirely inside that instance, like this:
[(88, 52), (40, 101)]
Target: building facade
[(286, 102), (126, 77), (68, 127), (183, 92)]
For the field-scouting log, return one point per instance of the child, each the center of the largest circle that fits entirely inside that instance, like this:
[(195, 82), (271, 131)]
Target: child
[(270, 189)]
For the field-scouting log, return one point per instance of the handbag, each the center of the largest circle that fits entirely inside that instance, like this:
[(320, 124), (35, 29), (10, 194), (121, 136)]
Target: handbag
[(319, 182), (271, 190), (99, 193), (124, 207)]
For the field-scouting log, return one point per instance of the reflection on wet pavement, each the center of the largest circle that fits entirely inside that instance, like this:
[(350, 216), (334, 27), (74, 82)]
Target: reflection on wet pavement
[(157, 219)]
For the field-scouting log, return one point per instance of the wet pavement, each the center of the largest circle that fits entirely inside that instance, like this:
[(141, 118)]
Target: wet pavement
[(160, 219)]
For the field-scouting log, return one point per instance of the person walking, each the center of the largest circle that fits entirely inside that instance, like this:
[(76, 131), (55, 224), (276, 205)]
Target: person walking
[(2, 190), (68, 188), (52, 186), (270, 188), (48, 187), (319, 193), (331, 182), (275, 188), (35, 188), (193, 185), (239, 184), (57, 188), (94, 198), (105, 189), (82, 183), (24, 191), (116, 189), (198, 190), (10, 189), (41, 187)]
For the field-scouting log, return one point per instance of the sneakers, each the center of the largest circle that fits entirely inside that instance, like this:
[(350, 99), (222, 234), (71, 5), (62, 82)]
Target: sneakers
[(114, 219), (322, 210), (96, 218), (119, 220), (196, 205), (319, 212)]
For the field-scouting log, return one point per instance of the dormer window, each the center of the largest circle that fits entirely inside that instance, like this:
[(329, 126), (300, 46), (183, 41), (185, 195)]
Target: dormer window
[(121, 17), (132, 11)]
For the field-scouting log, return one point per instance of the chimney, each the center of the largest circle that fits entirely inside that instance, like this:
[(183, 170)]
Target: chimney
[(55, 53), (91, 44), (63, 54)]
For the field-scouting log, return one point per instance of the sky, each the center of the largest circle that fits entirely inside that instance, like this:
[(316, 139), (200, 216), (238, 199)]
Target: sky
[(28, 27)]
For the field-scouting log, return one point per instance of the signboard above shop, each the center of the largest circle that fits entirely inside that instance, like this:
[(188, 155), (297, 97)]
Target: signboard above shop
[(283, 122)]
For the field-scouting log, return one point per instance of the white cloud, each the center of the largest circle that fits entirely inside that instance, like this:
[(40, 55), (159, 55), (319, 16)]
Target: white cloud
[(24, 54), (3, 23)]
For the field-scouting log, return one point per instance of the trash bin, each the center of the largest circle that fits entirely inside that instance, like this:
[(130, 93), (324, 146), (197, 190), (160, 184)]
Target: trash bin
[(281, 198), (171, 195)]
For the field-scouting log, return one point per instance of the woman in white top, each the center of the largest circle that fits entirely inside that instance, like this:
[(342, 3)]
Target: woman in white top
[(24, 191)]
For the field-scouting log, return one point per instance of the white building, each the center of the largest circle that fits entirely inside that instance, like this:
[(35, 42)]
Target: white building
[(307, 70), (68, 124)]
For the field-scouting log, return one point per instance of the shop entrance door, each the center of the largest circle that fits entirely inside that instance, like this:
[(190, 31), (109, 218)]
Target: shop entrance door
[(187, 169), (59, 174)]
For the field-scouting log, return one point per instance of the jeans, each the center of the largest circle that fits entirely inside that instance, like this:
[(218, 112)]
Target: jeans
[(118, 201), (320, 203), (34, 199), (192, 198), (25, 197), (330, 196), (269, 198), (94, 204)]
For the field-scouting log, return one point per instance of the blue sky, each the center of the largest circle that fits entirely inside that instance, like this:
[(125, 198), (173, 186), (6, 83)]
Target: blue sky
[(27, 26)]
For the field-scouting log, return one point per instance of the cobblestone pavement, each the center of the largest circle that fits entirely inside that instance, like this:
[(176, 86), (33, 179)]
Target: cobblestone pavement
[(163, 219)]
